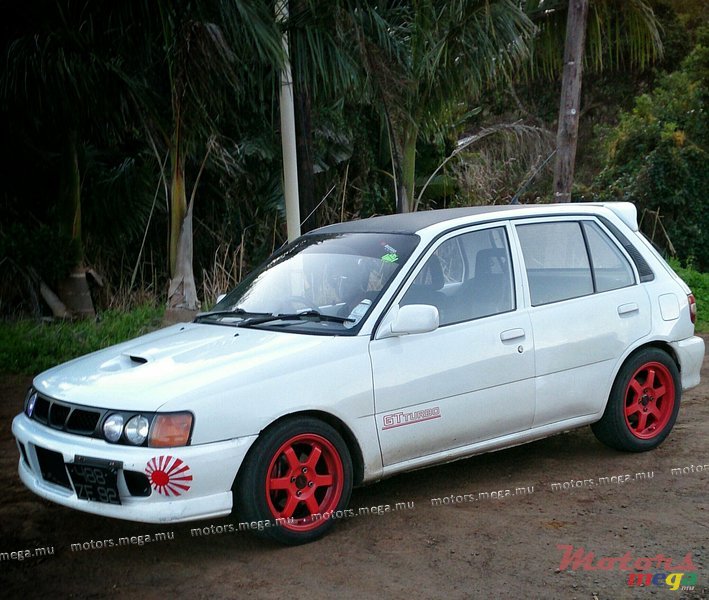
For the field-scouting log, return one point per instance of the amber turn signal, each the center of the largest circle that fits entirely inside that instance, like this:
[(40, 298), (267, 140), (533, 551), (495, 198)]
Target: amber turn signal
[(172, 429)]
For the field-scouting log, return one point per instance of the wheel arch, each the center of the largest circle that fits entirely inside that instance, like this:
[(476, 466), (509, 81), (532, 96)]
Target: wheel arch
[(337, 424), (659, 345), (614, 428)]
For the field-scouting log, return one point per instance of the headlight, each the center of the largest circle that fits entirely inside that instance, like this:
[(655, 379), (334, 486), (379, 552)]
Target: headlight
[(136, 430), (113, 427), (170, 430), (30, 401)]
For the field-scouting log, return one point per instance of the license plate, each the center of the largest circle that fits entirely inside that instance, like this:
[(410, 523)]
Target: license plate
[(95, 480)]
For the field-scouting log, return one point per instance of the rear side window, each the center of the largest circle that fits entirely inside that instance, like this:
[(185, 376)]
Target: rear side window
[(556, 260), (571, 259), (611, 269)]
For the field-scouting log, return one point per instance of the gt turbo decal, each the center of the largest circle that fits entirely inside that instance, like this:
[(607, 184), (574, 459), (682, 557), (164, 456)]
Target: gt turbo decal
[(168, 475), (401, 418)]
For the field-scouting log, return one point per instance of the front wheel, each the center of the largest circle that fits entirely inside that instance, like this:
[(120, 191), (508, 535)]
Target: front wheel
[(643, 404), (296, 476)]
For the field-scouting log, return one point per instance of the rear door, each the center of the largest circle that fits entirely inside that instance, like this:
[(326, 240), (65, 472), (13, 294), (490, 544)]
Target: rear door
[(586, 310)]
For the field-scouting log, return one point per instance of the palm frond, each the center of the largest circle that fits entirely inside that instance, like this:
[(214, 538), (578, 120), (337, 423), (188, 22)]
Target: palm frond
[(619, 34)]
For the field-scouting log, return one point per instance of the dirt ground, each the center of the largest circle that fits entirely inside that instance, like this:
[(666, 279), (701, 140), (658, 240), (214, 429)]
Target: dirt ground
[(492, 548)]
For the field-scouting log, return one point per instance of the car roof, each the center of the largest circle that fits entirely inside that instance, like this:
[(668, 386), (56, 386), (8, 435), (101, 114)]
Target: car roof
[(411, 222), (417, 221)]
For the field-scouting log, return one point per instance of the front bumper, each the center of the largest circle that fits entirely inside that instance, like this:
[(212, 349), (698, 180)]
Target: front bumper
[(690, 353), (208, 476)]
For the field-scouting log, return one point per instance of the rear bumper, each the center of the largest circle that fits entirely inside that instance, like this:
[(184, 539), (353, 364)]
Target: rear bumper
[(690, 353), (210, 472)]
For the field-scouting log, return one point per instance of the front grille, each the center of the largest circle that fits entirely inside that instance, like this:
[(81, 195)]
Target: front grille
[(66, 417), (41, 410), (138, 483), (23, 452), (82, 421), (57, 415), (51, 464)]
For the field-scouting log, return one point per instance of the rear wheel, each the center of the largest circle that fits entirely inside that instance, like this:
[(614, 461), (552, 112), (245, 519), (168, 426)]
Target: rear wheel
[(643, 404), (298, 475)]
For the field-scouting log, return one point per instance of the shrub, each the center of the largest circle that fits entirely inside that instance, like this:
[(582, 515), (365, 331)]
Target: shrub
[(658, 157)]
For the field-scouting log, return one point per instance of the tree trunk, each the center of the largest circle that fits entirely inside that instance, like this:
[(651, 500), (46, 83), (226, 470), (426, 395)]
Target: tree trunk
[(408, 170), (569, 106), (71, 192), (304, 150), (73, 290), (58, 308), (288, 141), (178, 198), (303, 134), (182, 293)]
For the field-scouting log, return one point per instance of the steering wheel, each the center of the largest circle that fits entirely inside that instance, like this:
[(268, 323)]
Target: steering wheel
[(295, 301)]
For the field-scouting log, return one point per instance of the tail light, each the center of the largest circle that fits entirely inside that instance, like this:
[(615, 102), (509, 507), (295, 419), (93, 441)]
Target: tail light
[(692, 307)]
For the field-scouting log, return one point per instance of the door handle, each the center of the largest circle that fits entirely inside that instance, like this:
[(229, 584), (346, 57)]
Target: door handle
[(626, 309), (512, 334)]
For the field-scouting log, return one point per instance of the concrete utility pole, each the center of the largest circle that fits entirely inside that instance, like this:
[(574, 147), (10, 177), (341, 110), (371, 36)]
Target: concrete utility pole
[(570, 104), (288, 140)]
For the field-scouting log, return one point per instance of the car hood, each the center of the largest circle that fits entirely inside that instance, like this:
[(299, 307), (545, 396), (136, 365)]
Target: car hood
[(145, 373)]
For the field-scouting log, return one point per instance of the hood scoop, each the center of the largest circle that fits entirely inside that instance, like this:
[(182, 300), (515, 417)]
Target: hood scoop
[(122, 362)]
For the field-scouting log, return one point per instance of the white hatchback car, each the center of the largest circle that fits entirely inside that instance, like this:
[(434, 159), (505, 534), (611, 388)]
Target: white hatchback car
[(369, 348)]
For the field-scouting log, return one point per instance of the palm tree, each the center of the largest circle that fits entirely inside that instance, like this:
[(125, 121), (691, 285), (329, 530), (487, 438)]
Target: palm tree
[(447, 52), (64, 83), (202, 60), (599, 34), (323, 36)]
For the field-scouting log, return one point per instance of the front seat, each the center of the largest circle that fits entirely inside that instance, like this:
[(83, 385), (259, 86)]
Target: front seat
[(426, 288)]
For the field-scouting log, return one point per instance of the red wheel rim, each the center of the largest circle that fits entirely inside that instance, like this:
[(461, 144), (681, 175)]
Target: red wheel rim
[(304, 482), (649, 400)]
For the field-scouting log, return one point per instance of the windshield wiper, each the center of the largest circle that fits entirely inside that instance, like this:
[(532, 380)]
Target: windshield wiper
[(238, 312), (307, 315)]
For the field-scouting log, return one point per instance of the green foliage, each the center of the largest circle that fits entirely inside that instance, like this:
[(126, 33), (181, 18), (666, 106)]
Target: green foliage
[(135, 79), (30, 347), (658, 158), (618, 34), (699, 284), (46, 250)]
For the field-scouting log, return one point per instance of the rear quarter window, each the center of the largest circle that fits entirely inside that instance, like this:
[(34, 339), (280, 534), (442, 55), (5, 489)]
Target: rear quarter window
[(611, 270)]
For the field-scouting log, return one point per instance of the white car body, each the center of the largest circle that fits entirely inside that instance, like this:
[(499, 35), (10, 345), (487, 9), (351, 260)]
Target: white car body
[(402, 401)]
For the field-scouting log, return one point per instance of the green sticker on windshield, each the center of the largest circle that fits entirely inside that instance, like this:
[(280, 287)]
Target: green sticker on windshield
[(390, 258)]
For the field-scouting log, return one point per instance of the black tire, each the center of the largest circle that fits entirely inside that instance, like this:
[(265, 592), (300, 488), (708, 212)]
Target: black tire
[(643, 404), (304, 488)]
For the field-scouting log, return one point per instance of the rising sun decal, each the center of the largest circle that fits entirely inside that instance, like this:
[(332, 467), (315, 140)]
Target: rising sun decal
[(168, 475)]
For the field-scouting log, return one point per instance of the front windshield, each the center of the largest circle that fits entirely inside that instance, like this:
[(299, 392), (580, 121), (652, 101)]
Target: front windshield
[(322, 283)]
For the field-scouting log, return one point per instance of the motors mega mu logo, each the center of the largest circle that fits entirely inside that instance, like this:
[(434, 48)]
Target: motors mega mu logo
[(659, 570)]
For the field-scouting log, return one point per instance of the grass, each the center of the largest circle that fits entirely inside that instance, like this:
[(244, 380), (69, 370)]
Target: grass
[(699, 284), (30, 346)]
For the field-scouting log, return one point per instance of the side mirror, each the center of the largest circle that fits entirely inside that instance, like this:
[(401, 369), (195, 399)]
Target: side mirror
[(409, 319), (220, 297)]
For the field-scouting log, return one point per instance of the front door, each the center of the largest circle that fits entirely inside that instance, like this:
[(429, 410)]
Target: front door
[(470, 380)]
